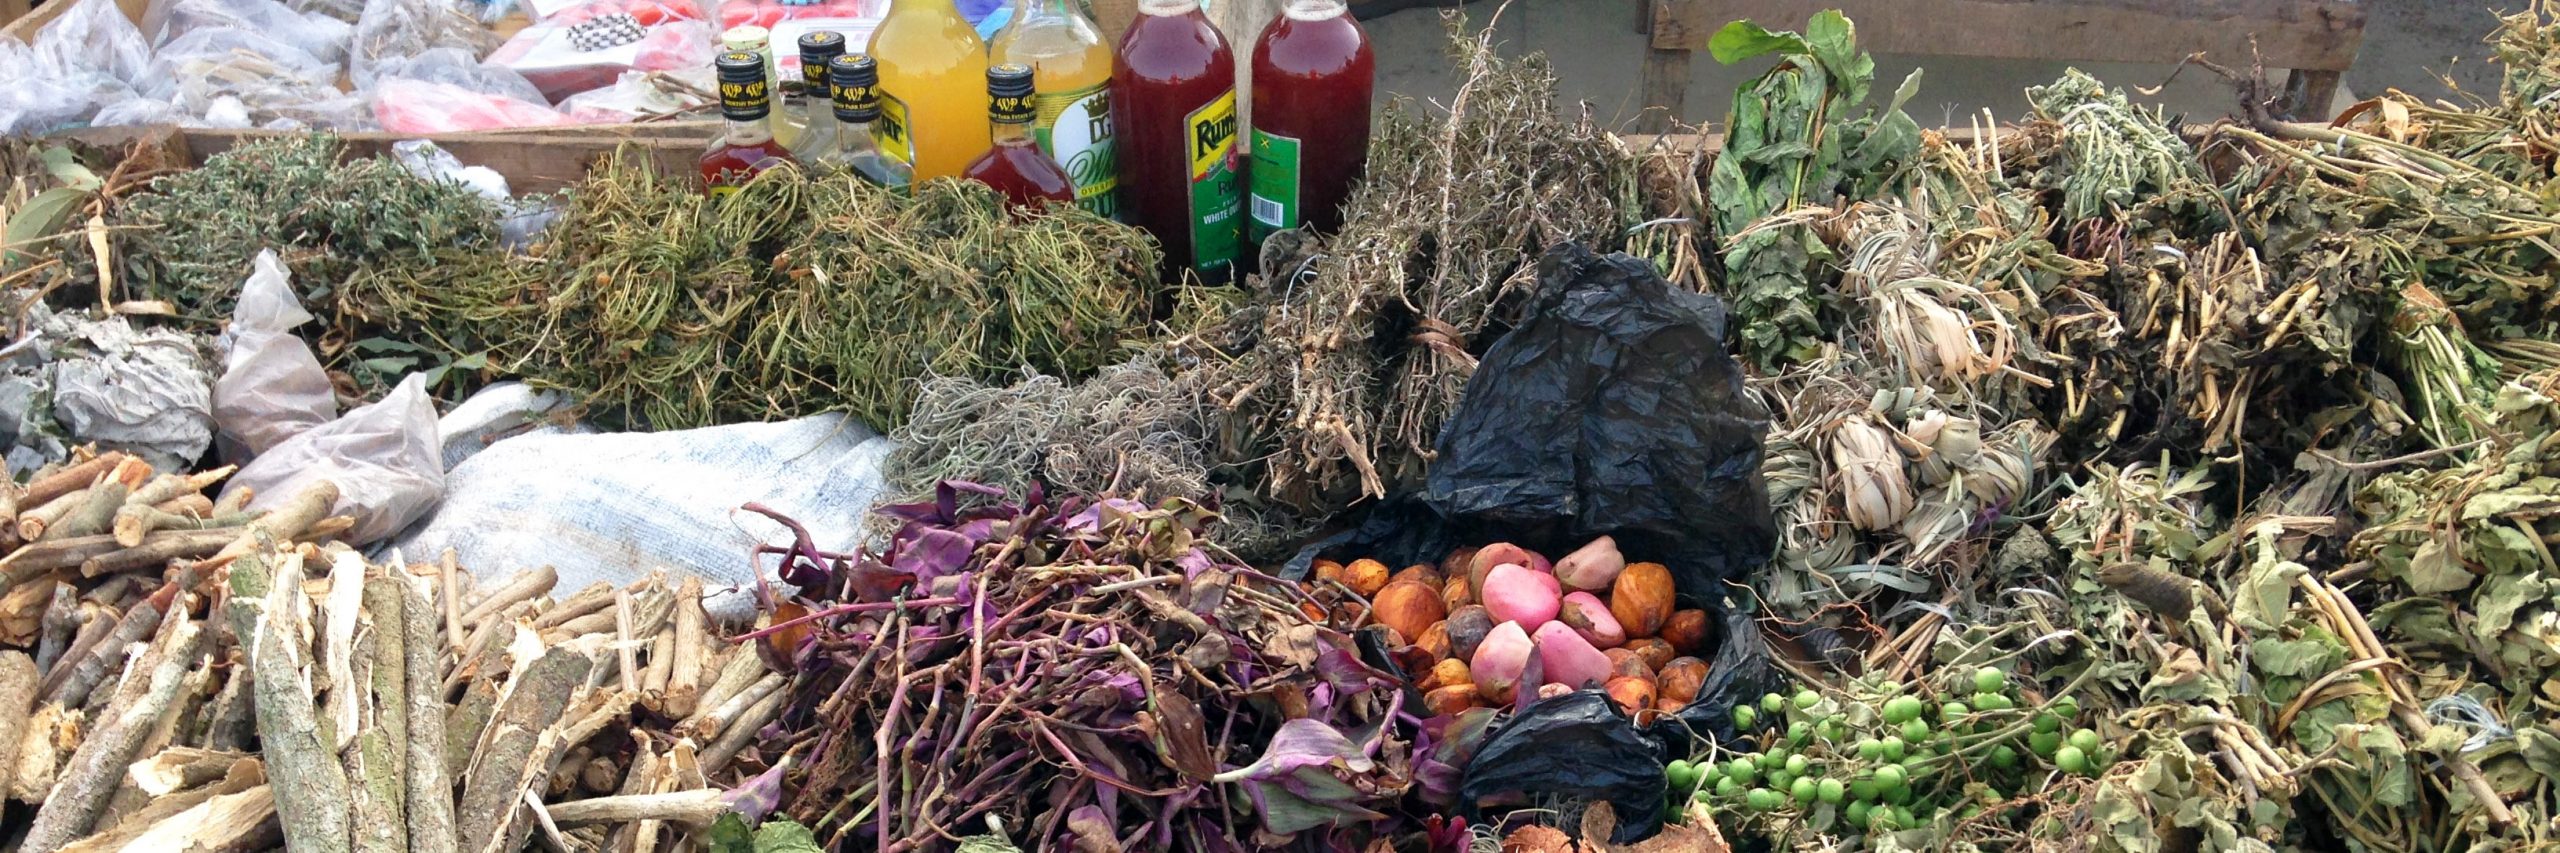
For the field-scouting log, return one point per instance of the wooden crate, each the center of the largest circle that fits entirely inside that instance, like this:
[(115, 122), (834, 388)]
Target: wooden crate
[(2315, 39), (532, 161)]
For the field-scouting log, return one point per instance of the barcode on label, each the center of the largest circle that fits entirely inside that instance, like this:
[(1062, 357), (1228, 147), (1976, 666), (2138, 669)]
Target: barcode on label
[(1270, 212)]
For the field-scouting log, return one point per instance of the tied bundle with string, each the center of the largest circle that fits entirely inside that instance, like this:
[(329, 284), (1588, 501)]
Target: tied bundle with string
[(796, 295)]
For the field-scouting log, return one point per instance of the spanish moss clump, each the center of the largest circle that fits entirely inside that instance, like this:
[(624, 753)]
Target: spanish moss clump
[(793, 296), (192, 236)]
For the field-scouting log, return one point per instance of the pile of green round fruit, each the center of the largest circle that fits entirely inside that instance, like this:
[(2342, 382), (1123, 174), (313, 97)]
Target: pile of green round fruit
[(1882, 758)]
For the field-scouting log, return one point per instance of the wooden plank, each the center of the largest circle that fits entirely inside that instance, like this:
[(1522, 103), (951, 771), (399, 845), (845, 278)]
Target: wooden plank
[(26, 26), (2319, 35), (1666, 89)]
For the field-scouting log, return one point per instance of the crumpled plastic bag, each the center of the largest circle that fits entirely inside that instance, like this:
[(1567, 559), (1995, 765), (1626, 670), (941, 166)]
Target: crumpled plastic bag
[(392, 31), (415, 106), (34, 102), (520, 220), (385, 458), (1581, 746), (272, 387), (79, 380), (320, 36), (1614, 410), (94, 36), (613, 507)]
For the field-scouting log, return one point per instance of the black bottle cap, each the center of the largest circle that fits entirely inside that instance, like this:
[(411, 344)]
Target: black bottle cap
[(1009, 92), (743, 95), (855, 82), (817, 48)]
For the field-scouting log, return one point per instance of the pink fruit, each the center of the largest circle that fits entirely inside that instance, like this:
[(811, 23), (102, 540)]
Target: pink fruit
[(1568, 659), (1499, 661), (1589, 617), (1591, 567), (1480, 564), (1516, 594)]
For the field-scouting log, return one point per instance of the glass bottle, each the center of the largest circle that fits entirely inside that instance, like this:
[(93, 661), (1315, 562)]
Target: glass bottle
[(1071, 69), (933, 108), (1313, 73), (808, 107), (856, 82), (1173, 112), (759, 41), (745, 147), (1014, 164)]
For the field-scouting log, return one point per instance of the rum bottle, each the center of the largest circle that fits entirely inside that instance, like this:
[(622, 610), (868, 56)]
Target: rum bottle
[(814, 125), (1071, 69), (745, 147), (855, 81), (1312, 78), (1173, 113), (1014, 164)]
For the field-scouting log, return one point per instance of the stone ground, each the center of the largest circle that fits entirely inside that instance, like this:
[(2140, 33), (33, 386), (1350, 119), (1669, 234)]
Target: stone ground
[(2408, 44)]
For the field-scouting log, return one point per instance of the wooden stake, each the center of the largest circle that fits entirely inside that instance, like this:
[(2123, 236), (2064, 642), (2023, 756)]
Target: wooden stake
[(709, 725), (72, 682), (91, 516), (489, 816), (280, 526), (743, 730), (158, 549), (446, 570), (696, 809), (523, 587), (430, 783), (311, 792), (44, 489), (189, 506), (135, 521), (628, 657), (662, 658), (34, 521), (595, 597), (91, 775), (376, 766), (466, 722), (244, 774), (62, 620), (17, 700), (684, 680), (234, 499), (345, 604), (228, 823), (739, 669)]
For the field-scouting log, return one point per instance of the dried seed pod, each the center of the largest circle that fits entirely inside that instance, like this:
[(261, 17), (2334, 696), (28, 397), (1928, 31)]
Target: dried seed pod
[(1686, 632), (1682, 679), (1455, 593), (1654, 652), (1623, 662), (1409, 608), (1443, 674), (1641, 598), (1434, 640), (1632, 692), (1450, 699), (1328, 570)]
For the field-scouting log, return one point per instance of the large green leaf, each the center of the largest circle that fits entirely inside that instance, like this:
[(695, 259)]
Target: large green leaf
[(65, 167), (1743, 40), (38, 219)]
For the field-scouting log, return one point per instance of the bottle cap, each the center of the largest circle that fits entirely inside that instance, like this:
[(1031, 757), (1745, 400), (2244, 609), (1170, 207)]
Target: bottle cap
[(1009, 93), (746, 37), (855, 81), (817, 48), (743, 96)]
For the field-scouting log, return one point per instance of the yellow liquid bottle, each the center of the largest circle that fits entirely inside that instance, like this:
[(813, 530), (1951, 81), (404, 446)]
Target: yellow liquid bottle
[(1071, 70), (933, 87)]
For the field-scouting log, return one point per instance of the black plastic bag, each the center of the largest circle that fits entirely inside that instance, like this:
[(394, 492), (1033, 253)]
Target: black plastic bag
[(1581, 745), (1614, 409)]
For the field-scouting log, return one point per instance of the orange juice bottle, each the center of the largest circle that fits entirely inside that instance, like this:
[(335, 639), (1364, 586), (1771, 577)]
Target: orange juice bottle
[(933, 87), (1071, 68)]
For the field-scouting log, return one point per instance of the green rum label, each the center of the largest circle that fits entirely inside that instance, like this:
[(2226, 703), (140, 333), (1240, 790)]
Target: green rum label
[(1275, 204), (1215, 196)]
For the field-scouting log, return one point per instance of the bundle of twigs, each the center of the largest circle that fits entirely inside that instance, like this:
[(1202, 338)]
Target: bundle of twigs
[(264, 692)]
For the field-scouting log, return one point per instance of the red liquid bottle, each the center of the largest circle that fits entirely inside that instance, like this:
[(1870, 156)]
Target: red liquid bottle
[(1173, 110), (1312, 78), (1014, 165), (745, 148)]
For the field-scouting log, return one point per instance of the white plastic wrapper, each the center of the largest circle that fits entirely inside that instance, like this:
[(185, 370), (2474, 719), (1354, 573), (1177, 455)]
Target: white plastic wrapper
[(615, 506), (384, 457), (272, 387)]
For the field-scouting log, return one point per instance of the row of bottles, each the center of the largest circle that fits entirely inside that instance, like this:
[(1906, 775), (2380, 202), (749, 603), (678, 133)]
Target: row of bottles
[(1149, 134)]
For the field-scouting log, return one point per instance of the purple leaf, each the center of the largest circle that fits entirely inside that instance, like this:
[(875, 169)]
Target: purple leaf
[(929, 553), (757, 797)]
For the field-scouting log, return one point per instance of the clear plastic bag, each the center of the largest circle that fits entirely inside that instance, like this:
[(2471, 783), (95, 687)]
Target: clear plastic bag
[(233, 53), (34, 102), (415, 106), (227, 78), (385, 458), (459, 68), (519, 219), (94, 37), (393, 30), (323, 37), (635, 96), (272, 388)]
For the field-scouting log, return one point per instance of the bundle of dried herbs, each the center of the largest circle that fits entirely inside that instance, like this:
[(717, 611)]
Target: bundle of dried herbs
[(190, 239), (796, 295), (1072, 674)]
